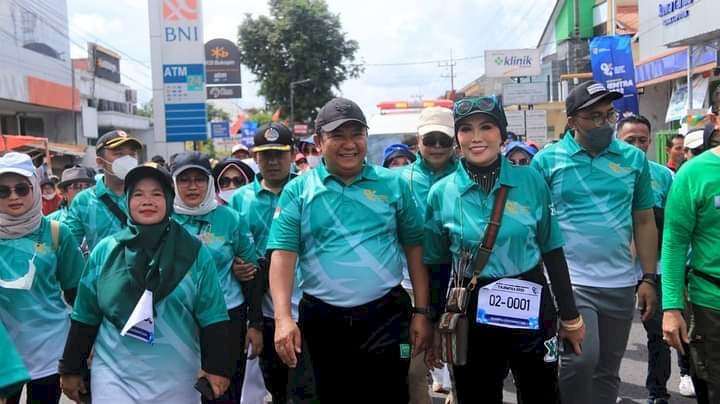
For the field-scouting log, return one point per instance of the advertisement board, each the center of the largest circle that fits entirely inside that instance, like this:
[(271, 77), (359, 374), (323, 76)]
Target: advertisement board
[(512, 63)]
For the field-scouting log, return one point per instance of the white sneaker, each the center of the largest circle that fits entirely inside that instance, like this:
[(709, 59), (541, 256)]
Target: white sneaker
[(686, 386)]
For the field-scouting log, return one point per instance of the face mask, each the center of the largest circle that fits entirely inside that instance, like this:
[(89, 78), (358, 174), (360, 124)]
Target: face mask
[(599, 138), (227, 194), (49, 197), (314, 161), (122, 166)]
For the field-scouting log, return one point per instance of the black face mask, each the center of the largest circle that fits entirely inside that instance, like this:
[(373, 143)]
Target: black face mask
[(598, 139)]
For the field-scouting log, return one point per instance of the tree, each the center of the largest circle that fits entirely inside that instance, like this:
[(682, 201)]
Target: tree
[(216, 113), (300, 39)]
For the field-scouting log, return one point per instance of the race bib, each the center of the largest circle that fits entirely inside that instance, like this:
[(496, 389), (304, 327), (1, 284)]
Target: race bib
[(510, 303)]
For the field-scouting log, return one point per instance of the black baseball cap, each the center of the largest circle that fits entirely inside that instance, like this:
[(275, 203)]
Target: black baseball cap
[(115, 138), (588, 94), (337, 112), (273, 136), (193, 159)]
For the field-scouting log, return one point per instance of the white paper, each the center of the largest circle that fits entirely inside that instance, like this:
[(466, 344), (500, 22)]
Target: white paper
[(140, 325), (25, 282)]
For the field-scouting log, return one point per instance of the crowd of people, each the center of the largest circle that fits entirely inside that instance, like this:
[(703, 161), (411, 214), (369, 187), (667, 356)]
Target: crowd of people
[(468, 255)]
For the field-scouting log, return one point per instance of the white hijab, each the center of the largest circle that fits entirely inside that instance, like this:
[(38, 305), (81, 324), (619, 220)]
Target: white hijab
[(12, 227), (208, 204)]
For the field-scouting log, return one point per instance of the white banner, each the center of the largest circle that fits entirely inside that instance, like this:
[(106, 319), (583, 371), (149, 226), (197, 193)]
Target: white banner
[(525, 93), (512, 62), (516, 121)]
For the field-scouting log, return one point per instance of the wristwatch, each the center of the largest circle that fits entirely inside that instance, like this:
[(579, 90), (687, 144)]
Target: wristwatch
[(425, 311), (650, 278)]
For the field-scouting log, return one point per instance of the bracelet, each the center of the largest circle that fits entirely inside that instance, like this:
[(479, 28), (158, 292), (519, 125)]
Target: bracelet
[(572, 326), (649, 281)]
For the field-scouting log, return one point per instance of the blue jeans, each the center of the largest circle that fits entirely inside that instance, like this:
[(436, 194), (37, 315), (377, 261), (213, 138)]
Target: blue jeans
[(659, 358)]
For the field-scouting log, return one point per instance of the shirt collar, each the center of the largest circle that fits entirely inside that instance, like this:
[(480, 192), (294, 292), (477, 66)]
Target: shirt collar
[(422, 165), (367, 173), (573, 147), (258, 187), (465, 183)]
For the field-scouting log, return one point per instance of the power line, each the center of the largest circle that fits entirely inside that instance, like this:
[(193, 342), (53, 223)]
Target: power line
[(450, 64)]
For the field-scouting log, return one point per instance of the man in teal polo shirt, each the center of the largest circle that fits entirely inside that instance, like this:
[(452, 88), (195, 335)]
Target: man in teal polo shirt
[(435, 160), (100, 211), (256, 202), (602, 195), (348, 224)]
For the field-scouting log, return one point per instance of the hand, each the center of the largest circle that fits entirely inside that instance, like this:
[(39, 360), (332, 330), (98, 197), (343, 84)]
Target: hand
[(574, 337), (675, 331), (433, 355), (421, 333), (219, 384), (287, 341), (73, 386), (254, 337), (647, 299), (243, 272)]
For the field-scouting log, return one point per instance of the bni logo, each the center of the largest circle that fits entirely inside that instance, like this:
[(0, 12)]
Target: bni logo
[(176, 10)]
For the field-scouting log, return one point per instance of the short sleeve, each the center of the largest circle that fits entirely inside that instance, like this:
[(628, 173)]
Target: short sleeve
[(409, 217), (74, 220), (285, 229), (12, 369), (549, 236), (243, 243), (643, 197), (86, 308), (436, 246), (70, 259), (210, 305)]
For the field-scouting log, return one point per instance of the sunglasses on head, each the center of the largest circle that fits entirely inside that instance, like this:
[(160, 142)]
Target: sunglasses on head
[(437, 139), (21, 189), (467, 105), (224, 182)]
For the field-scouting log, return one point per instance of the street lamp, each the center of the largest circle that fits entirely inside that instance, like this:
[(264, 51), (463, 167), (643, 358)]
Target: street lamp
[(292, 102)]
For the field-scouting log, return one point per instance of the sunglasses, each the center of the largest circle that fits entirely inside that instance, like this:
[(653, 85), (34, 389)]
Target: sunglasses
[(79, 186), (21, 190), (520, 162), (224, 182), (467, 105), (437, 139)]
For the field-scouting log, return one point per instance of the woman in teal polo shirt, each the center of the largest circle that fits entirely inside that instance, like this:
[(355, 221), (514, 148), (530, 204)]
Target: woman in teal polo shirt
[(231, 244), (151, 304), (39, 273), (513, 322)]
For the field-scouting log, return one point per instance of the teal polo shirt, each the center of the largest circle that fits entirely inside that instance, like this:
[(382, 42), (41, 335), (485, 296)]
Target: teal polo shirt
[(421, 177), (256, 206), (594, 199), (459, 210), (89, 218), (349, 238), (661, 179), (12, 369), (226, 236)]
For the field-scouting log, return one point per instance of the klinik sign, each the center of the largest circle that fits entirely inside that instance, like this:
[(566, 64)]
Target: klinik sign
[(178, 66)]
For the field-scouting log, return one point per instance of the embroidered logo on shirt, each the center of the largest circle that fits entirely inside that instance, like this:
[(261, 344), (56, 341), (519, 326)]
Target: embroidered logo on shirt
[(617, 168), (371, 195), (515, 208)]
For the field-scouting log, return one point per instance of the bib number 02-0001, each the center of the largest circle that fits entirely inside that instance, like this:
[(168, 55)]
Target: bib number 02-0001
[(510, 303)]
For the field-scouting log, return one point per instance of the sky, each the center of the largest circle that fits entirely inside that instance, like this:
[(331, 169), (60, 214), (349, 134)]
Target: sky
[(388, 32)]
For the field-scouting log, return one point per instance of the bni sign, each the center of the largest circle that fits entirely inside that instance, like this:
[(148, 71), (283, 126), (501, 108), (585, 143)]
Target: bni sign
[(178, 56)]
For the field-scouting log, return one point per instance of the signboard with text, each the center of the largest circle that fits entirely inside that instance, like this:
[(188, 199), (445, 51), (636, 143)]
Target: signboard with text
[(106, 64), (612, 64), (512, 63), (219, 129), (525, 93)]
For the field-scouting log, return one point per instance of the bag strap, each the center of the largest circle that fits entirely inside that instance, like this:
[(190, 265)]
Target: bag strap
[(482, 255), (55, 233), (119, 214)]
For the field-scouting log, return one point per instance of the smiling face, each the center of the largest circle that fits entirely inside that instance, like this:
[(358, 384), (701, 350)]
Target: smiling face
[(19, 200), (192, 186), (344, 149), (479, 138), (147, 202)]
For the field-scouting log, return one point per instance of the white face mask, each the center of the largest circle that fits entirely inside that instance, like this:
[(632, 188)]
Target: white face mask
[(49, 197), (314, 161), (227, 194), (122, 166)]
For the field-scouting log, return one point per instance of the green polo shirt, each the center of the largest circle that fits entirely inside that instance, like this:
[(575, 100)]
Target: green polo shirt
[(12, 370), (421, 178), (594, 199), (349, 238), (90, 218), (691, 219), (227, 237), (256, 206), (661, 179), (459, 210)]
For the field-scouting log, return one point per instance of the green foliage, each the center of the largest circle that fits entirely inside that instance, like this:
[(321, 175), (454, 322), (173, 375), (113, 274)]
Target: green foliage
[(261, 117), (215, 113), (300, 39)]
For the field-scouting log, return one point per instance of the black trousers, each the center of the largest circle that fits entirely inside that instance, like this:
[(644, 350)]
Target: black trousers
[(532, 355), (40, 391), (287, 385), (705, 352), (348, 345), (236, 348)]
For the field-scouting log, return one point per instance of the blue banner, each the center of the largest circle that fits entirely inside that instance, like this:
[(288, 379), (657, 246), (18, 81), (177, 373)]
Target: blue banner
[(219, 129), (612, 65)]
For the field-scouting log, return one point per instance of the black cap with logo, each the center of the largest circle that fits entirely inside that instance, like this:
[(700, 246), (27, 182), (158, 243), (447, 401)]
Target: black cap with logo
[(273, 136), (115, 138), (337, 112), (588, 94)]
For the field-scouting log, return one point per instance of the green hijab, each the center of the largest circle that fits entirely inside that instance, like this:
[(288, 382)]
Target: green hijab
[(153, 257)]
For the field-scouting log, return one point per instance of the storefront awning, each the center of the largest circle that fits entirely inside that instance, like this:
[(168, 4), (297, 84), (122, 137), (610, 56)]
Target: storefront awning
[(14, 142), (673, 65)]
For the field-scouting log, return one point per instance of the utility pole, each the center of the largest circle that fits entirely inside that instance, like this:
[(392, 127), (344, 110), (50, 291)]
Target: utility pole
[(292, 102), (450, 64)]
